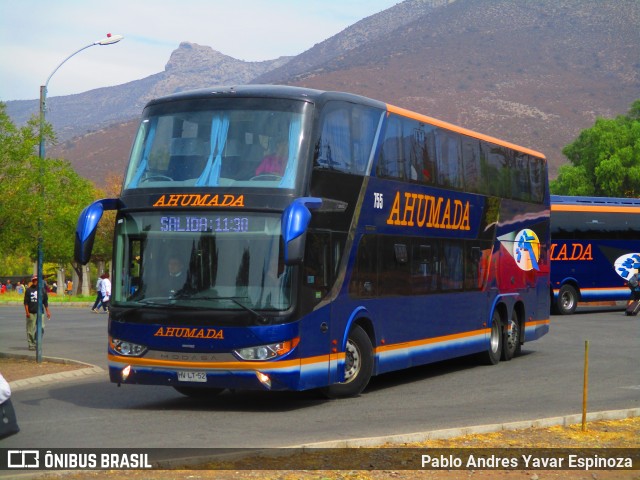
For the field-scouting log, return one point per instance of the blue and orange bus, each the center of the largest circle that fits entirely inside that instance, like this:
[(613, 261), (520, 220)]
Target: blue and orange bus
[(595, 249), (320, 238)]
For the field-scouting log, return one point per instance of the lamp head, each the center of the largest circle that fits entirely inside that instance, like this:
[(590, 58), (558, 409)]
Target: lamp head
[(109, 39)]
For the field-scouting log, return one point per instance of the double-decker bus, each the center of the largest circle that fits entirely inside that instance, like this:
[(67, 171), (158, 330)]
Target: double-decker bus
[(319, 238), (595, 249)]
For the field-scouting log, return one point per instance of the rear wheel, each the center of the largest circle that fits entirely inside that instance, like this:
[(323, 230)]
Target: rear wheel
[(511, 341), (195, 392), (567, 300), (492, 355), (358, 366)]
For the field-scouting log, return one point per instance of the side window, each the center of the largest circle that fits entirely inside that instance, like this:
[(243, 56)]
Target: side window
[(496, 173), (364, 281), (471, 163), (425, 267), (391, 155), (452, 266), (476, 264), (317, 264), (394, 278), (537, 177), (132, 278), (421, 159), (346, 137), (449, 160)]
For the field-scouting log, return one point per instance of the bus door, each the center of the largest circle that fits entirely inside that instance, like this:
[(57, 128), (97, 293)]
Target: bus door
[(323, 251)]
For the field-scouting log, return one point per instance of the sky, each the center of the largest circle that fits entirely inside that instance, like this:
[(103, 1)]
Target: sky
[(37, 35)]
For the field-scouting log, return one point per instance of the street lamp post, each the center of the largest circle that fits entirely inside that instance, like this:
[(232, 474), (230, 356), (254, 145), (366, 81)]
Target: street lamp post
[(108, 40)]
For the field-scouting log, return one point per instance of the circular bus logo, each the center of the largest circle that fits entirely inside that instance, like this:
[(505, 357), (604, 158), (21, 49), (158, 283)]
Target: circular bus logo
[(526, 250), (627, 265)]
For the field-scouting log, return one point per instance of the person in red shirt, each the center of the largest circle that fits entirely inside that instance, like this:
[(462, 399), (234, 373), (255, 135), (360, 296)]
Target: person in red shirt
[(274, 163)]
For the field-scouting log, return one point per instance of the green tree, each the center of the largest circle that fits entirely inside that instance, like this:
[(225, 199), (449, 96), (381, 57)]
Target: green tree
[(605, 159), (21, 202)]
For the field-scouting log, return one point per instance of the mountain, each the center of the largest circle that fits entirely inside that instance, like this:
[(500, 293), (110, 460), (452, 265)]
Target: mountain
[(376, 27), (534, 73), (190, 66)]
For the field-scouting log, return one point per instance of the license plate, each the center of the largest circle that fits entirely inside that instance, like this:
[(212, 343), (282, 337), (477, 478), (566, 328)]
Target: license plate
[(192, 377)]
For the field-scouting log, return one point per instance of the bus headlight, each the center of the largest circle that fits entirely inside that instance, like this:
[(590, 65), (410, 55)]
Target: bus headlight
[(267, 352), (127, 349)]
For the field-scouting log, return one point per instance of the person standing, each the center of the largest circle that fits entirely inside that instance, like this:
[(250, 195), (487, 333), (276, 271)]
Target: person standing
[(105, 288), (31, 309), (98, 302)]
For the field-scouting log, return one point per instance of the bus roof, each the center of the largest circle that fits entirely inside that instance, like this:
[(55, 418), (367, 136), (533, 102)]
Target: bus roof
[(269, 91), (565, 203), (313, 95)]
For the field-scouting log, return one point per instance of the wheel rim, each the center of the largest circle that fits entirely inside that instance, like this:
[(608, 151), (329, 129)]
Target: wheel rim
[(352, 362), (512, 335), (567, 301), (495, 336)]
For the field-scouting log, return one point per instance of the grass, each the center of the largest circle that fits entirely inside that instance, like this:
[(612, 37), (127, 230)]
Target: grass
[(13, 297)]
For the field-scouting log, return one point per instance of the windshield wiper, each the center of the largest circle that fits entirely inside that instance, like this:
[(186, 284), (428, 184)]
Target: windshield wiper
[(259, 317)]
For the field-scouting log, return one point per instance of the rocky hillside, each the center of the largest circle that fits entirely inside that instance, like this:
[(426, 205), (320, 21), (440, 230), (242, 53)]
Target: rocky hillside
[(376, 27), (190, 66), (535, 73)]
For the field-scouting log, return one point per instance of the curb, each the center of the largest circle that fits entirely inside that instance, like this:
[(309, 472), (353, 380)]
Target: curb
[(478, 429), (38, 381)]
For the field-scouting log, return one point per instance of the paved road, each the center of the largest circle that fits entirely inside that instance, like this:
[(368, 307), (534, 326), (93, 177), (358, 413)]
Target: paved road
[(545, 381)]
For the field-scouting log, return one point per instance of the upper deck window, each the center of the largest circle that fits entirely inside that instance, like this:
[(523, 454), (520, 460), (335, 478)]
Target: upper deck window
[(346, 137), (218, 142)]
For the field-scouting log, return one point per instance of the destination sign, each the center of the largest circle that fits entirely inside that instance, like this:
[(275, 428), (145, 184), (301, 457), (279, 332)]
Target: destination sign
[(211, 223)]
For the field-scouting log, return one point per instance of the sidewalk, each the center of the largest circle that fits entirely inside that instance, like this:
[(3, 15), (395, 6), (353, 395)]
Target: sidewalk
[(83, 370)]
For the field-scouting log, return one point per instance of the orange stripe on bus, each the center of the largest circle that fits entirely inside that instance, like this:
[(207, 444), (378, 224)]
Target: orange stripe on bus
[(464, 131), (427, 341), (558, 207), (155, 362), (537, 322)]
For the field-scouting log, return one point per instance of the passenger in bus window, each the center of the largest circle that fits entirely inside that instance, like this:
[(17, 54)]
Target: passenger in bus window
[(177, 276), (275, 162)]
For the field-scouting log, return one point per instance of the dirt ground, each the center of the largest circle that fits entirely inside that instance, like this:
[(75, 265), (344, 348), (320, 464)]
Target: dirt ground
[(13, 369), (602, 434)]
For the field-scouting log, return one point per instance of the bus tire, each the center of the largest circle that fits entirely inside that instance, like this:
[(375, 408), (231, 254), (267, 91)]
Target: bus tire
[(511, 343), (567, 300), (358, 365), (196, 392), (493, 353)]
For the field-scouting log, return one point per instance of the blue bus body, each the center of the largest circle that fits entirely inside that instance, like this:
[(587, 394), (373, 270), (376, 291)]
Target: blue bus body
[(595, 245), (389, 240)]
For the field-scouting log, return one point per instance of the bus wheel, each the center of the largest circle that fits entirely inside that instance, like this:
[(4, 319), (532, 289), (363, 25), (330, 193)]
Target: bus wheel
[(567, 300), (492, 355), (195, 392), (358, 366), (511, 341)]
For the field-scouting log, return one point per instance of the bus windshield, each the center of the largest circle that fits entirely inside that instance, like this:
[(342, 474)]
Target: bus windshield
[(215, 142), (218, 260)]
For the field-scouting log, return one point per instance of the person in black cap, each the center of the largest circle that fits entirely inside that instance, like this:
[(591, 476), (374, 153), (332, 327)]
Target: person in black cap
[(31, 309)]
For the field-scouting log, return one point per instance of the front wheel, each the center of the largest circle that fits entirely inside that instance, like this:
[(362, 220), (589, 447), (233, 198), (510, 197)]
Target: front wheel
[(358, 366), (567, 300)]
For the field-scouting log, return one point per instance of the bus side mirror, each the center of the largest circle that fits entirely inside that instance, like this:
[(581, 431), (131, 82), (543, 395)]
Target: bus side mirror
[(295, 220), (87, 225)]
